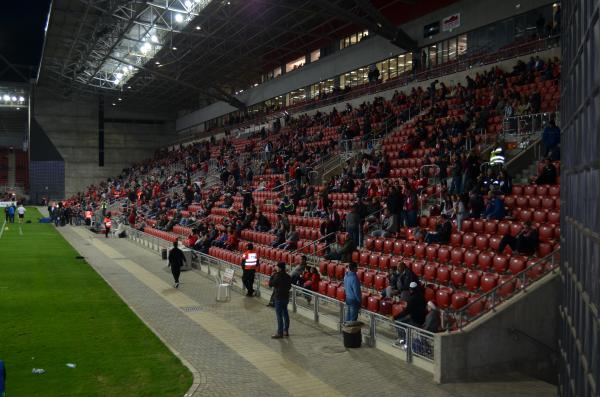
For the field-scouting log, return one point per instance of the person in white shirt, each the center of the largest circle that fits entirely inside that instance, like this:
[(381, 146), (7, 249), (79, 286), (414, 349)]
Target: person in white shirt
[(21, 211)]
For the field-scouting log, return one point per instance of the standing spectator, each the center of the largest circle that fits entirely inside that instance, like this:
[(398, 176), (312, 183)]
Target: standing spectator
[(107, 225), (21, 211), (353, 224), (353, 293), (415, 311), (551, 137), (282, 283), (176, 259), (495, 207)]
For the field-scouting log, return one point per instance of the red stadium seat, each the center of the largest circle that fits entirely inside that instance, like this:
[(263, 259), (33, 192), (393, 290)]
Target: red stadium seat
[(420, 250), (388, 246), (332, 290), (481, 242), (430, 271), (468, 240), (443, 297), (517, 264), (443, 274), (455, 239), (373, 303), (430, 291), (490, 227), (340, 293), (470, 257), (374, 261), (443, 254), (472, 280), (488, 282), (457, 276), (417, 267), (398, 248), (409, 248), (459, 299), (484, 260), (500, 263), (385, 307), (323, 285), (378, 246), (456, 255), (369, 279), (380, 281), (431, 252)]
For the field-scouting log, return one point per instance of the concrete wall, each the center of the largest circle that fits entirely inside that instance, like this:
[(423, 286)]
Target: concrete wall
[(474, 14), (72, 126), (519, 337)]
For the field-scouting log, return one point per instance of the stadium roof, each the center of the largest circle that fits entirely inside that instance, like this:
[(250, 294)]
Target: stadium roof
[(175, 54)]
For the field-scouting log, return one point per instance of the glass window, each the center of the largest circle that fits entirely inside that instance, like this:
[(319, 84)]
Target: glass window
[(433, 55), (277, 72), (462, 45), (315, 55), (452, 49), (408, 62), (393, 68), (295, 64)]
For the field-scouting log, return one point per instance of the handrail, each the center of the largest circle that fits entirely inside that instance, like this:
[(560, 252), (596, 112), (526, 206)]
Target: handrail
[(462, 315), (315, 242)]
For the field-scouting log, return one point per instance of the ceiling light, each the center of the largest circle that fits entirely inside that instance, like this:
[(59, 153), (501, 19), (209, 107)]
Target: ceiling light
[(14, 99), (120, 99), (158, 63), (174, 48), (119, 75), (6, 98), (128, 87), (178, 18), (114, 104), (146, 47), (188, 4), (198, 27), (21, 99), (154, 39), (18, 108)]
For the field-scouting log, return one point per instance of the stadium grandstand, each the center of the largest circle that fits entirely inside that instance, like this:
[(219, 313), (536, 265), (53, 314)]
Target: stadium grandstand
[(303, 198)]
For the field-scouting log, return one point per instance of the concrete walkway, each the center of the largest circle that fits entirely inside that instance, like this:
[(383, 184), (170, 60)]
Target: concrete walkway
[(228, 345)]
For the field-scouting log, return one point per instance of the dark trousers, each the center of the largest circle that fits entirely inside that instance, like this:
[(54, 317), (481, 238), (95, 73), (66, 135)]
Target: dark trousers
[(106, 231), (176, 271), (248, 281), (283, 318), (517, 244)]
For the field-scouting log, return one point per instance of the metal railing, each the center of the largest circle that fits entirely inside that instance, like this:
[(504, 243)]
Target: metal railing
[(504, 290), (322, 309), (527, 124)]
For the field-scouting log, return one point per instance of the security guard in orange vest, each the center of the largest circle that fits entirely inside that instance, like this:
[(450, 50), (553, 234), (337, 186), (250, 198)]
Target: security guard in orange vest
[(107, 225), (249, 265)]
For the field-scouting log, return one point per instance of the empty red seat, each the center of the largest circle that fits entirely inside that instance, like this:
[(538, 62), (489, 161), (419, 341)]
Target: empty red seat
[(503, 228), (490, 227), (378, 245), (529, 190), (430, 271), (332, 290), (468, 240), (356, 256), (525, 215), (331, 269), (369, 243), (380, 281), (431, 252), (517, 264), (472, 280), (456, 255), (507, 286), (409, 248), (494, 242), (323, 285), (488, 282), (544, 249), (548, 203), (457, 276), (443, 297), (385, 307), (374, 261), (517, 190), (398, 248), (455, 239), (388, 246), (443, 274), (340, 271), (554, 190), (417, 267), (478, 226), (373, 303), (535, 202), (459, 299), (546, 232), (470, 257), (323, 267), (340, 293), (553, 217), (398, 308), (481, 242), (364, 258), (443, 254), (467, 225), (384, 262), (500, 263), (430, 291), (369, 279), (420, 250)]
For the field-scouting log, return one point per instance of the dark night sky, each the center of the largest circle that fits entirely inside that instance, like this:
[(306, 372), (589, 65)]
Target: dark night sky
[(22, 25)]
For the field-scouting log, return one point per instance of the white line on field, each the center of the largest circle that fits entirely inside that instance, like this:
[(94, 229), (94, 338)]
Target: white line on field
[(2, 230)]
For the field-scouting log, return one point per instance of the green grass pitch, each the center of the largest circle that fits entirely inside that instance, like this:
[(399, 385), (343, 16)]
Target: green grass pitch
[(55, 309)]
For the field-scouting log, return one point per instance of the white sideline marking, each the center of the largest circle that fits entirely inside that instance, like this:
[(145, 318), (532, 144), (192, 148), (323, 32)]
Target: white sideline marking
[(20, 230), (2, 230)]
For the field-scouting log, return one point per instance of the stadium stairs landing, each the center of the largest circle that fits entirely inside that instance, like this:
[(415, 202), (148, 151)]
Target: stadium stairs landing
[(230, 351)]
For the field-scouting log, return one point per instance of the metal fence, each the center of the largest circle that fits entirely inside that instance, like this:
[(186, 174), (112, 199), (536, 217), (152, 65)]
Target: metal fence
[(505, 289), (379, 329), (527, 124)]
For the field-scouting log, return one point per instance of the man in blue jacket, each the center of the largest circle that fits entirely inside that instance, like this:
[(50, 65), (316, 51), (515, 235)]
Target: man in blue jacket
[(495, 207), (353, 292)]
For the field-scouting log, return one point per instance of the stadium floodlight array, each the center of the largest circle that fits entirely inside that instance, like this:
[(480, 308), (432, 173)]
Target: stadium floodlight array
[(130, 46)]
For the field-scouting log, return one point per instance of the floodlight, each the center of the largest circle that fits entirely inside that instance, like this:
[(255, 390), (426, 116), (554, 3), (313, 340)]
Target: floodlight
[(188, 4), (6, 98), (120, 99), (198, 27), (178, 18), (154, 39), (21, 99), (119, 75), (146, 47), (14, 99)]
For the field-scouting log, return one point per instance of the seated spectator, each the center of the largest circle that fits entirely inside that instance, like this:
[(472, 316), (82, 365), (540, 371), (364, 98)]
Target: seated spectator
[(551, 136), (414, 313), (526, 242), (228, 201), (548, 174), (442, 231), (389, 225), (405, 278), (291, 240), (262, 223), (391, 290), (344, 252), (432, 319), (495, 207), (298, 272)]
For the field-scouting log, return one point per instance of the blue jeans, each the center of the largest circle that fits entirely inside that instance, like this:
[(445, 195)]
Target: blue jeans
[(352, 309), (283, 318)]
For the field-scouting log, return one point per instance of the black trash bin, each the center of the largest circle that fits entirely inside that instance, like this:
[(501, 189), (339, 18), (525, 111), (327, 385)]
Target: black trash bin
[(352, 334)]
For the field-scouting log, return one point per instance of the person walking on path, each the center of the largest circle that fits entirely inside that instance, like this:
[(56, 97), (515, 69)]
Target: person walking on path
[(176, 259), (107, 225), (353, 293), (282, 283), (249, 265)]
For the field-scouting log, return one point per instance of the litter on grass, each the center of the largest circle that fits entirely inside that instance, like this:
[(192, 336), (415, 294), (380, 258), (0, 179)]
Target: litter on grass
[(38, 371), (71, 365)]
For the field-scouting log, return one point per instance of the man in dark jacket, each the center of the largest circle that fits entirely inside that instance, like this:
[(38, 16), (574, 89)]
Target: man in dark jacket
[(415, 312), (281, 282), (526, 242), (176, 259), (405, 278)]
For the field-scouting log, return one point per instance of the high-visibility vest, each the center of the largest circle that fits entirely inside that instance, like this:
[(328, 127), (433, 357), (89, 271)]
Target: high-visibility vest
[(496, 156), (250, 260), (107, 222)]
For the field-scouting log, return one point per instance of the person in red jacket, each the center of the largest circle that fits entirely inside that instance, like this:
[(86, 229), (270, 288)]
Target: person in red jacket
[(107, 225)]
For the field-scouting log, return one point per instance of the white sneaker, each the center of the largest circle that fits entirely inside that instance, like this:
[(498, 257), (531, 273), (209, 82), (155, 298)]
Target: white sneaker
[(176, 285)]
